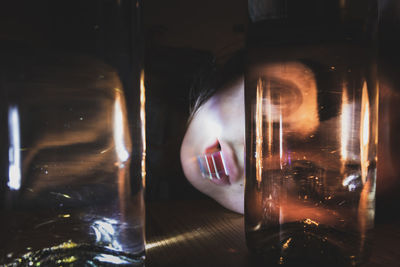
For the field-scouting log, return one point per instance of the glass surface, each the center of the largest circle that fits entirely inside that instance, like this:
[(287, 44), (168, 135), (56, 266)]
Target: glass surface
[(72, 129), (311, 139)]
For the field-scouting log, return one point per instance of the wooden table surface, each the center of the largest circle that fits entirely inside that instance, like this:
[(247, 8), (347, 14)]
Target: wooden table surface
[(202, 233)]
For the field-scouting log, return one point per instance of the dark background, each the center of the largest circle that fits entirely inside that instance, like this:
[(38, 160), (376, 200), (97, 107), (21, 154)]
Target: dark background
[(181, 38)]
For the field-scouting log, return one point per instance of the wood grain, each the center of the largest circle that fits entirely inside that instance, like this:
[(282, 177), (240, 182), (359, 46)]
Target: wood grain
[(202, 233)]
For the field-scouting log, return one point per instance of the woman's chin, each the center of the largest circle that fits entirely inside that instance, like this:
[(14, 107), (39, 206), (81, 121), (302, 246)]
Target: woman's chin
[(233, 203)]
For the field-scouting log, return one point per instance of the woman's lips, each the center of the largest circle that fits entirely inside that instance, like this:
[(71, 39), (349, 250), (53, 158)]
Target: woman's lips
[(219, 165), (214, 167)]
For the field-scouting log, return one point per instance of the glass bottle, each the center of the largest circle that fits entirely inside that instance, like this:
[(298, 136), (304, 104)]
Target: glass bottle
[(72, 133), (311, 100)]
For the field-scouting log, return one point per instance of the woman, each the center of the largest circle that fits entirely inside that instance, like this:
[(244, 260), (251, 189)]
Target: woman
[(212, 152), (216, 131)]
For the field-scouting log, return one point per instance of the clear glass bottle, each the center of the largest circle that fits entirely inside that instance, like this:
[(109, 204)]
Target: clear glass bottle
[(72, 134), (311, 99)]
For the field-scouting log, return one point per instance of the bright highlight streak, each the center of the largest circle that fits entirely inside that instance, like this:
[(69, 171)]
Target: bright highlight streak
[(364, 133), (105, 233), (119, 130), (286, 244), (14, 171), (345, 124), (143, 125), (310, 222), (349, 179), (259, 131), (280, 138), (191, 235), (111, 259), (106, 227)]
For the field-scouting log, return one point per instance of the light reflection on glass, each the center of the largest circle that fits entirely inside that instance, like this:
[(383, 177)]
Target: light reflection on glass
[(105, 233), (143, 125), (286, 244), (119, 129), (352, 181), (345, 124), (280, 138), (189, 235), (107, 258), (366, 208), (259, 132), (364, 133), (201, 233), (14, 171)]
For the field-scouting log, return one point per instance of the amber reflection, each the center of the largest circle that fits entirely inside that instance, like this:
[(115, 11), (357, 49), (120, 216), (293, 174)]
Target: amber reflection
[(364, 133), (122, 141), (120, 131), (292, 96), (309, 169), (259, 133), (347, 111)]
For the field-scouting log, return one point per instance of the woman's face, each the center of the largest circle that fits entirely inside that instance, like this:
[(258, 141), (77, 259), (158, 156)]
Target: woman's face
[(219, 124), (214, 143)]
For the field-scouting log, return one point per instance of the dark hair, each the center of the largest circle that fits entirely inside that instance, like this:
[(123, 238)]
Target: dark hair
[(211, 77)]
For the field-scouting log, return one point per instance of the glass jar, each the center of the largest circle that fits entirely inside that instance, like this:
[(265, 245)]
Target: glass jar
[(311, 100), (73, 134)]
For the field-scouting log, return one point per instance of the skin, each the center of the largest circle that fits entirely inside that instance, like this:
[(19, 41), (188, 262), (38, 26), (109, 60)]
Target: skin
[(219, 121)]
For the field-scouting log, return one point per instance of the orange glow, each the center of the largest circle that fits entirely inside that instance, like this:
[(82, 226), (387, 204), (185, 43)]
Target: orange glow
[(123, 184), (286, 244), (298, 104), (259, 132), (345, 124), (295, 210), (310, 222), (280, 137), (121, 137), (366, 210), (269, 120), (374, 125)]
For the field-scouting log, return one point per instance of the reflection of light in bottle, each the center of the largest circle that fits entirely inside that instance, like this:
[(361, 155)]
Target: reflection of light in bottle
[(179, 238), (183, 237), (345, 124), (106, 234), (280, 137), (143, 124), (14, 170), (364, 133), (259, 132), (107, 258), (119, 131)]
